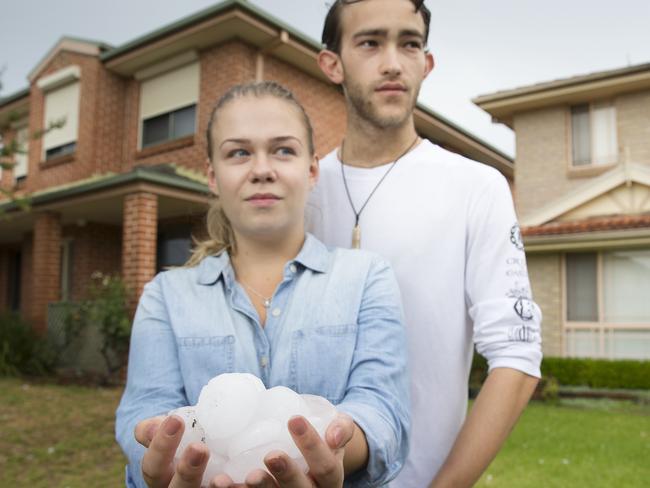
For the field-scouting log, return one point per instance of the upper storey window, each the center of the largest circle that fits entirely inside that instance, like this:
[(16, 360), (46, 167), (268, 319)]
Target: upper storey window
[(20, 157), (168, 105), (593, 135), (61, 120)]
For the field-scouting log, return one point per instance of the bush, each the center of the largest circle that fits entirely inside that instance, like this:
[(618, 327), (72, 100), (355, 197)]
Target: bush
[(594, 373), (22, 349), (599, 373), (106, 308)]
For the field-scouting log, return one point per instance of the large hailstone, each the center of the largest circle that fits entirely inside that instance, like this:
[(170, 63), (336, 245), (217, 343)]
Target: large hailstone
[(241, 421)]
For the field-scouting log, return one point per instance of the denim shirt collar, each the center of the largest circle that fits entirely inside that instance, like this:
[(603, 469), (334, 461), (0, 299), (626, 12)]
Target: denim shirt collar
[(313, 255)]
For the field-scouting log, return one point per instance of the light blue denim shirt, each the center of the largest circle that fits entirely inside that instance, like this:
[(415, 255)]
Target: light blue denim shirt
[(334, 328)]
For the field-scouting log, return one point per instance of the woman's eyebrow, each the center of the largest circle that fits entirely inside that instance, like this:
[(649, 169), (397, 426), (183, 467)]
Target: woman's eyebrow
[(273, 139)]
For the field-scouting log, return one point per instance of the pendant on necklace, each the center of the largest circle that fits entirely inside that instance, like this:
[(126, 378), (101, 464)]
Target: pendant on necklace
[(356, 237), (267, 302)]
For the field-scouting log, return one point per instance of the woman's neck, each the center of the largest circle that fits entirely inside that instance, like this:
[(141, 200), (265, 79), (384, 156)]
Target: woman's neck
[(260, 263)]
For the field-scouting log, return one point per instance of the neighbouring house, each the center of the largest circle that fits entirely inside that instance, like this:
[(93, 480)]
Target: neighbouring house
[(119, 188), (582, 191)]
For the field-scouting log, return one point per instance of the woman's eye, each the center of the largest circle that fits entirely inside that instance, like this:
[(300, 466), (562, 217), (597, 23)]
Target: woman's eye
[(285, 151), (237, 153)]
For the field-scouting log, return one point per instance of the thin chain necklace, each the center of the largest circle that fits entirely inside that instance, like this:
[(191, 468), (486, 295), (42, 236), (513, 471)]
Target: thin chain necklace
[(356, 231), (266, 301)]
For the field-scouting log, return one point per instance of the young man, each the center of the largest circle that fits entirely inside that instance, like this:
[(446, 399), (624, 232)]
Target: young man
[(447, 225)]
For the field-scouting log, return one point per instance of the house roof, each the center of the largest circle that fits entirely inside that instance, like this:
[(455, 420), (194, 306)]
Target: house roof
[(594, 224), (503, 105)]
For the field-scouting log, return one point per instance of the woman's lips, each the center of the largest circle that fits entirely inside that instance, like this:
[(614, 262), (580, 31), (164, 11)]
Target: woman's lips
[(263, 199)]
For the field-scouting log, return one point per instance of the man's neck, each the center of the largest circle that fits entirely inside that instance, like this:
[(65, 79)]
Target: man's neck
[(368, 146)]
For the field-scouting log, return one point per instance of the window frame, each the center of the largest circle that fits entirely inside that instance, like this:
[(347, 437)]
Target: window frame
[(170, 127), (600, 326), (591, 168)]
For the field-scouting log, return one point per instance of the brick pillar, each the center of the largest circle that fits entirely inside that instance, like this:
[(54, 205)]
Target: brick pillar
[(139, 233), (46, 267)]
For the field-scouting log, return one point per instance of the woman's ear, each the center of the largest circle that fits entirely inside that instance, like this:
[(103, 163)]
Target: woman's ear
[(314, 172), (212, 177), (330, 64)]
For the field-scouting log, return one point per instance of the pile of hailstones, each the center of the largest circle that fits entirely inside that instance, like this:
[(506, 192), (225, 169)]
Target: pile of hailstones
[(241, 422)]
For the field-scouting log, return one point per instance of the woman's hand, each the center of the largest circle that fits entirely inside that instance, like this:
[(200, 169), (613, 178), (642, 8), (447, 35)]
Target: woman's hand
[(324, 458), (161, 436)]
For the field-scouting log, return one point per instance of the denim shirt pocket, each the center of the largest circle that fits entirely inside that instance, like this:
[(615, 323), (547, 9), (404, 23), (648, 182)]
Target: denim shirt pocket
[(211, 355), (321, 359)]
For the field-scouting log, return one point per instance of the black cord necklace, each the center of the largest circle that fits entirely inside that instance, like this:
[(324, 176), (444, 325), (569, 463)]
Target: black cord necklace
[(356, 231)]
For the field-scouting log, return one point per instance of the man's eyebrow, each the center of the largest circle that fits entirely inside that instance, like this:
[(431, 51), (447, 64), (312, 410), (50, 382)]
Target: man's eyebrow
[(384, 33)]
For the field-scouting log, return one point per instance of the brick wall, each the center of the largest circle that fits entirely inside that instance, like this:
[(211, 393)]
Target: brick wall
[(139, 241), (543, 151), (95, 247), (46, 267), (545, 279)]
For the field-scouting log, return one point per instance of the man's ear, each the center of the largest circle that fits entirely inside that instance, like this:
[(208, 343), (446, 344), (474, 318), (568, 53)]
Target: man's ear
[(429, 63), (330, 64), (212, 177)]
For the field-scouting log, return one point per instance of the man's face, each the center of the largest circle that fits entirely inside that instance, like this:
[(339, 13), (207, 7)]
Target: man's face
[(383, 60)]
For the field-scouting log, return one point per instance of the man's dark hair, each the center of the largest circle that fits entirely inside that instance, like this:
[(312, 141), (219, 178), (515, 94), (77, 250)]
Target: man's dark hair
[(332, 29)]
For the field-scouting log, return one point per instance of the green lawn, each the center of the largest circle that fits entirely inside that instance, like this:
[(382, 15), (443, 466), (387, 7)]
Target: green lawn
[(579, 443), (62, 436)]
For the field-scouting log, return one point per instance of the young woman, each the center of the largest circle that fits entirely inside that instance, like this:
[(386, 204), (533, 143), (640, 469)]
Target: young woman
[(260, 296)]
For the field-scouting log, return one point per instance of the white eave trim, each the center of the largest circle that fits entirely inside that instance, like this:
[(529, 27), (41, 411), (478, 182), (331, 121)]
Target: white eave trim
[(64, 45), (59, 78), (625, 173)]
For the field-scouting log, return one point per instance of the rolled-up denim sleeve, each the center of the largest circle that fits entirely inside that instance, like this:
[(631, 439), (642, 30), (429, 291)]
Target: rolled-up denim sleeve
[(377, 396), (154, 384)]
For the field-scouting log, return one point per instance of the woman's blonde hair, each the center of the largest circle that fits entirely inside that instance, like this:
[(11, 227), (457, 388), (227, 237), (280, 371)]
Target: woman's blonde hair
[(220, 233)]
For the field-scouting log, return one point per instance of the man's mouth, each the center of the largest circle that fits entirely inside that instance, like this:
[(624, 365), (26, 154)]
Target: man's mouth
[(391, 88)]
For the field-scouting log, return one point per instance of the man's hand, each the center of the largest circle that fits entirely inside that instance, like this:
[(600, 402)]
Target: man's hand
[(324, 458), (161, 436)]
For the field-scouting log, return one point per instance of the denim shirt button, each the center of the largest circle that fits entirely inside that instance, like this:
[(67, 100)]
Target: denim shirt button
[(276, 312), (293, 268), (264, 361)]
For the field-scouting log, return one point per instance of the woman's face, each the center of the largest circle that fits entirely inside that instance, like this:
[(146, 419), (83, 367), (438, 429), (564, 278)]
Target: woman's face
[(261, 167)]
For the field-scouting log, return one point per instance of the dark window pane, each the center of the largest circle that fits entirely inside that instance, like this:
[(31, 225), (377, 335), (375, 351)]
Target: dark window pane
[(155, 130), (60, 150), (580, 135), (581, 287), (183, 121), (174, 245)]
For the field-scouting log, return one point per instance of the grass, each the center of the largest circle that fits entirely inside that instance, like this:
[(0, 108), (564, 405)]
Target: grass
[(62, 436), (577, 443), (58, 436)]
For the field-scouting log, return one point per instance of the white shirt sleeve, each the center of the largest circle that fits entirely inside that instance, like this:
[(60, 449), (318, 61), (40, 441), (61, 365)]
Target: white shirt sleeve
[(506, 320)]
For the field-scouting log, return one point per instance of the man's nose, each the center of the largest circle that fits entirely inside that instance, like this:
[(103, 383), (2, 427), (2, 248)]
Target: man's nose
[(390, 61)]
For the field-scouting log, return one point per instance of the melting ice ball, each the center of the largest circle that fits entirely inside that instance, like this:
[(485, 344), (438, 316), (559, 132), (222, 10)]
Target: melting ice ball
[(241, 422)]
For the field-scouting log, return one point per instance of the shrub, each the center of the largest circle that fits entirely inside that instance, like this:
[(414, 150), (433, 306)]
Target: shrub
[(106, 308), (594, 373), (22, 349)]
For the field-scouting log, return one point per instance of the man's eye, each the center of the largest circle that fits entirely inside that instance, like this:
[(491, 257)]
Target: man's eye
[(368, 43), (413, 45)]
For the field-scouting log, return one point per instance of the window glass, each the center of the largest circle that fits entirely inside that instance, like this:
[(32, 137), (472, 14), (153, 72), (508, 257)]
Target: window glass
[(60, 150), (628, 344), (580, 135), (155, 130), (183, 121), (583, 343), (604, 141), (582, 291), (174, 245), (626, 286)]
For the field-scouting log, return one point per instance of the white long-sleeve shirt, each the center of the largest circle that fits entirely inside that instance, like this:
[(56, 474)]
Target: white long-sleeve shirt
[(448, 226)]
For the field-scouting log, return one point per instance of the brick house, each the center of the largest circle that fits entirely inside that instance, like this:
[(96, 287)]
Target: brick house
[(582, 190), (120, 187)]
